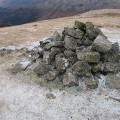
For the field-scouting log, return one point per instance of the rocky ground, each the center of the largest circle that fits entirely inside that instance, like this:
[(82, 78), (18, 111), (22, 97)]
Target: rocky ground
[(25, 96)]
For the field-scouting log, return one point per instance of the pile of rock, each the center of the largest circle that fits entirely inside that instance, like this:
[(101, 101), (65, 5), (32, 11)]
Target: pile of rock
[(81, 53)]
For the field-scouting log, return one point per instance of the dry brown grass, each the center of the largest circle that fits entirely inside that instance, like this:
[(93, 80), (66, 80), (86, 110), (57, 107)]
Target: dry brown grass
[(38, 30)]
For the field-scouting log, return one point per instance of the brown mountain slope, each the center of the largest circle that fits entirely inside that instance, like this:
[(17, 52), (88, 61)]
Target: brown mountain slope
[(38, 30)]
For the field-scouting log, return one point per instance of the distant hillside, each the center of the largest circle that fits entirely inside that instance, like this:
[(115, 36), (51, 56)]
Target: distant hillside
[(16, 12)]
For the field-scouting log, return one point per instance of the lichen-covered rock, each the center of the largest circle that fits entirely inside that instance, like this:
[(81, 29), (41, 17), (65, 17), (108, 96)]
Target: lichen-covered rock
[(70, 80), (101, 44), (61, 63), (70, 43), (92, 57), (80, 25), (113, 81), (41, 69), (91, 31), (81, 68)]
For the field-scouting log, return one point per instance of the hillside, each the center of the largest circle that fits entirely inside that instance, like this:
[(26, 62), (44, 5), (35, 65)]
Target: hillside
[(38, 30), (17, 12)]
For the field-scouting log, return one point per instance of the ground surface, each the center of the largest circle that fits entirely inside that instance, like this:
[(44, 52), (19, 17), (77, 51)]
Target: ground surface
[(24, 97)]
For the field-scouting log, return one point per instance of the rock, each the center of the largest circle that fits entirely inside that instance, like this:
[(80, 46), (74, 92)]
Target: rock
[(41, 69), (51, 75), (81, 68), (61, 63), (57, 37), (37, 52), (21, 66), (87, 42), (111, 57), (57, 44), (115, 47), (46, 57), (91, 83), (45, 41), (113, 81), (96, 68), (75, 33), (50, 96), (2, 51), (80, 25), (70, 43), (92, 57), (70, 80), (71, 56), (110, 67), (101, 44), (91, 31)]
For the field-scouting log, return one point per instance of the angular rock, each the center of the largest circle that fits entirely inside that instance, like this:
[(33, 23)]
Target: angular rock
[(80, 25), (70, 43), (81, 68), (91, 31), (87, 42), (61, 63), (92, 57), (101, 44), (71, 56), (70, 80), (75, 33), (41, 69), (113, 81), (110, 67), (115, 47)]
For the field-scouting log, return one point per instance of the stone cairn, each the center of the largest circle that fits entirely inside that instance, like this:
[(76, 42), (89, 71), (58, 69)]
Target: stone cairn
[(81, 53)]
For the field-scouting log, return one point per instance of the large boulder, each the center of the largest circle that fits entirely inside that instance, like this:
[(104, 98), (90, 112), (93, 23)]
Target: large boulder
[(101, 44), (81, 68), (113, 81), (70, 80), (61, 63), (70, 43)]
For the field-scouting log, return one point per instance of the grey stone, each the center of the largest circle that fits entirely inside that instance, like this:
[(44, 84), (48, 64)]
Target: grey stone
[(41, 69), (70, 43), (81, 68), (90, 83), (80, 25), (115, 47), (91, 31), (61, 63), (110, 67), (97, 68), (51, 75), (113, 81), (21, 66), (56, 36), (70, 80), (75, 33), (101, 44)]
